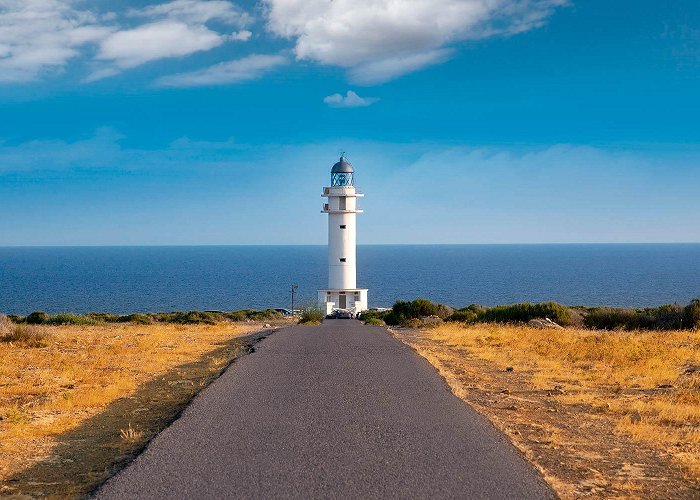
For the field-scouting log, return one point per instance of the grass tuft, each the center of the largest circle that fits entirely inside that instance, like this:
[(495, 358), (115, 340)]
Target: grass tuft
[(130, 434), (311, 316)]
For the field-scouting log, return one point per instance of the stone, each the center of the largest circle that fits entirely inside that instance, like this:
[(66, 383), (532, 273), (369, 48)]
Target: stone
[(544, 324)]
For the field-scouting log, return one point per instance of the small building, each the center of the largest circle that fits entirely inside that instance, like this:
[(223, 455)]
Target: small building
[(342, 210)]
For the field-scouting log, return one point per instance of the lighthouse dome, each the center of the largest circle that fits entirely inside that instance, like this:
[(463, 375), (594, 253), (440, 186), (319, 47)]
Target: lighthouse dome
[(342, 167), (342, 173)]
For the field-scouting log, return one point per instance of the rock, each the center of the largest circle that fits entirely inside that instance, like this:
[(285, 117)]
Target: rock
[(430, 321), (267, 325), (543, 323)]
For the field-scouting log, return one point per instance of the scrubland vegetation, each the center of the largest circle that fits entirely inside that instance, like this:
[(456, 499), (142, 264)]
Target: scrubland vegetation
[(178, 317), (80, 394), (667, 317)]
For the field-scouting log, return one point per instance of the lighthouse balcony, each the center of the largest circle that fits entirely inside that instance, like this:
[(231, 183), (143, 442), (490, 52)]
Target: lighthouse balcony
[(348, 192), (328, 210)]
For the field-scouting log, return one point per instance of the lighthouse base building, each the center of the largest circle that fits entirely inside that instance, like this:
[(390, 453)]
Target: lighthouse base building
[(342, 209), (354, 300)]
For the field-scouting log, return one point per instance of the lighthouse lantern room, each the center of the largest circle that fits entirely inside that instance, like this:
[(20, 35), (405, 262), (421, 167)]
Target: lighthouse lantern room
[(342, 210)]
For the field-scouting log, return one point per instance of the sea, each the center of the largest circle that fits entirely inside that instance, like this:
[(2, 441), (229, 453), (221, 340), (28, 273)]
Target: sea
[(226, 278)]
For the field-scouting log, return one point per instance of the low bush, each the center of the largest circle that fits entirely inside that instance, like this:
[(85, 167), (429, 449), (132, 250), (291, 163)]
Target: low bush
[(311, 315), (266, 315), (412, 323), (463, 316), (195, 317), (419, 308), (374, 321), (36, 318), (138, 318), (691, 314), (666, 317), (522, 313), (68, 319), (103, 317), (611, 318), (24, 335)]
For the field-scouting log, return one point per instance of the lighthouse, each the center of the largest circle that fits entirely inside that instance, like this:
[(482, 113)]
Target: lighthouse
[(342, 210)]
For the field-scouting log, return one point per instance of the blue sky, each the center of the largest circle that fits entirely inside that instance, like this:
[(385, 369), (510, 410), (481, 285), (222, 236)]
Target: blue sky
[(468, 121)]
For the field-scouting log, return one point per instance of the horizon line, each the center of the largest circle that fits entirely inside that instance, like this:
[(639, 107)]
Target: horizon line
[(159, 245)]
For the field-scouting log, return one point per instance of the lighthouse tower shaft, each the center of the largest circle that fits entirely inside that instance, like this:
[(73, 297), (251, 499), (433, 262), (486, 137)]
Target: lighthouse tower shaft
[(342, 209)]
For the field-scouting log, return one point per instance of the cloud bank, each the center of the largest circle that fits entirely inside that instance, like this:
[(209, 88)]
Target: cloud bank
[(40, 37), (375, 40), (378, 40)]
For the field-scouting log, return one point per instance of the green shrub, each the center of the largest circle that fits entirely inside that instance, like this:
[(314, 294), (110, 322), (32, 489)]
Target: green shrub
[(68, 319), (238, 315), (463, 316), (266, 315), (412, 323), (102, 317), (522, 313), (37, 318), (666, 317), (195, 317), (419, 308), (691, 314), (138, 318), (311, 315), (373, 321), (611, 318)]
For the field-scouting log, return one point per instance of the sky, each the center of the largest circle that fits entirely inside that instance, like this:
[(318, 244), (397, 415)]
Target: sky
[(193, 122)]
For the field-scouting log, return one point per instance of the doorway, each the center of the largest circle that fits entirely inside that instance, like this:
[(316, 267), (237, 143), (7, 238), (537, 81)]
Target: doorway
[(343, 301)]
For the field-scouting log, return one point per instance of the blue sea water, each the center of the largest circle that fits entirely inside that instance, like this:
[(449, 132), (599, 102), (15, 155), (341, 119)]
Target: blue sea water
[(131, 279)]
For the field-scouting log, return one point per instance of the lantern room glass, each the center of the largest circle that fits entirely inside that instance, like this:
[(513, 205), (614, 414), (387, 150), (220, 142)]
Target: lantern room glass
[(341, 179)]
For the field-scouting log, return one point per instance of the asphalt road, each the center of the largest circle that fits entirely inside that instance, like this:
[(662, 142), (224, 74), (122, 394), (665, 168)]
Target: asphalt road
[(340, 410)]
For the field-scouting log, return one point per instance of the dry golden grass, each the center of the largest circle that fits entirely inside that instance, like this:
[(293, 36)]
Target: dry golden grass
[(54, 380), (646, 385)]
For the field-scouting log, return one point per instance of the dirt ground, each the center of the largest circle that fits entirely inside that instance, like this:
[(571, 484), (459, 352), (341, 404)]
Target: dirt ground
[(575, 442)]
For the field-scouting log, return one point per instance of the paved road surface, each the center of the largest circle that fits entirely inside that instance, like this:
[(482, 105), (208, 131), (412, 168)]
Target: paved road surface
[(340, 410)]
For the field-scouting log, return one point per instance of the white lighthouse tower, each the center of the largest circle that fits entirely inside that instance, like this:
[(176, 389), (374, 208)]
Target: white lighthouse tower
[(342, 210)]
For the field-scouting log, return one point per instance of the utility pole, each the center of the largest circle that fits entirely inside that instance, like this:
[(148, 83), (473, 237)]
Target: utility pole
[(294, 288)]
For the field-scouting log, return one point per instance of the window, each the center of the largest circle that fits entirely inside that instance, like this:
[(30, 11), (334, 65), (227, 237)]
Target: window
[(343, 259), (343, 226), (342, 203)]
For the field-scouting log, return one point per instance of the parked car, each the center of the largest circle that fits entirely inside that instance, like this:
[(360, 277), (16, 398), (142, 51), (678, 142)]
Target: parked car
[(340, 314)]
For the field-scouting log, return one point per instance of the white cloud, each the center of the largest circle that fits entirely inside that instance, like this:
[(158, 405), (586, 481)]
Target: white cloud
[(350, 100), (241, 36), (43, 35), (177, 29), (159, 40), (382, 39), (196, 11), (247, 68)]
